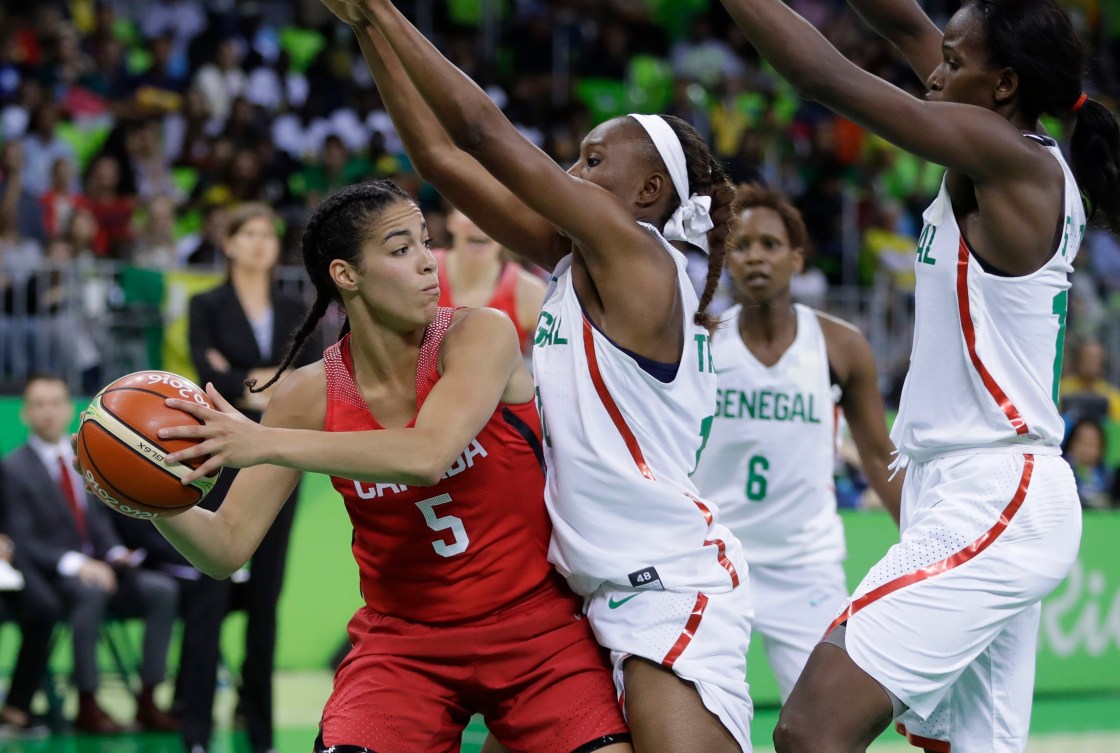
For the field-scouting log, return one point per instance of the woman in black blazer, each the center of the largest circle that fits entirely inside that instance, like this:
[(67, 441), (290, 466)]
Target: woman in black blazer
[(239, 331)]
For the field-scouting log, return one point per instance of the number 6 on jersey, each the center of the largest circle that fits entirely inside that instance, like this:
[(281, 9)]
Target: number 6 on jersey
[(459, 542)]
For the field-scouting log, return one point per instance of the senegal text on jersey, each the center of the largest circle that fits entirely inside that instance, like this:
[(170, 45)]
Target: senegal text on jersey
[(766, 405)]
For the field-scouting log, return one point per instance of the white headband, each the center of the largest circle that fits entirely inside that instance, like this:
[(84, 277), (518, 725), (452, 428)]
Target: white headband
[(692, 220)]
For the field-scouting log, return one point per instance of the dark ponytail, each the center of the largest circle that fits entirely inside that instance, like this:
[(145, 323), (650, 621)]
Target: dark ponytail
[(1036, 39), (707, 177), (1095, 161), (336, 230)]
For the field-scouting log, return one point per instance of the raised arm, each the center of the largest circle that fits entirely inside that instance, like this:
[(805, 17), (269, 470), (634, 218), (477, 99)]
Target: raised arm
[(621, 258), (456, 175), (972, 140), (905, 25)]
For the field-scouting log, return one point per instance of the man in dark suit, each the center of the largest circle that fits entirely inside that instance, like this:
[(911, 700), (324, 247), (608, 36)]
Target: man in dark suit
[(36, 611), (69, 540)]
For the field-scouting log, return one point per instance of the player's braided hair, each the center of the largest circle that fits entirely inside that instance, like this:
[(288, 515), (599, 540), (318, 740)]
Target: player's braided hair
[(707, 177), (336, 230)]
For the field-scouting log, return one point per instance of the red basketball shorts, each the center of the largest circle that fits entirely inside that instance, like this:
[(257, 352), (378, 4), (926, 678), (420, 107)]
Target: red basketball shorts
[(533, 670)]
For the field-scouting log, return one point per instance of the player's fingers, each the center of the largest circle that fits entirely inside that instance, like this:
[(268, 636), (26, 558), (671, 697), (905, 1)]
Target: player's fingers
[(222, 404), (210, 467), (186, 432), (200, 450), (201, 412)]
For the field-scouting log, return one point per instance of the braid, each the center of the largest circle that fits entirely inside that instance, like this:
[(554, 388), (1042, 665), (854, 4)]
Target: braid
[(707, 177), (723, 217), (298, 341), (336, 230)]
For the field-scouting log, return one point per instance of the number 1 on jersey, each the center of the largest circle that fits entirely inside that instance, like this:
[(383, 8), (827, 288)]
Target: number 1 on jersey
[(459, 540)]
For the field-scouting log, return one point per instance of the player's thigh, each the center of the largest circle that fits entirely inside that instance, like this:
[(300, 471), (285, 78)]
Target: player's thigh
[(391, 695), (667, 715), (834, 706), (548, 683)]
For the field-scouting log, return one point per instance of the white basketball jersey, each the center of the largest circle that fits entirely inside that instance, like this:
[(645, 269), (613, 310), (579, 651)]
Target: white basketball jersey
[(770, 455), (620, 445), (987, 353)]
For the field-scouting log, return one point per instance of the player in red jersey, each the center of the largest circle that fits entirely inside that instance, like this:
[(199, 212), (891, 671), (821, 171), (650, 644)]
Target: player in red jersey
[(473, 273), (463, 613)]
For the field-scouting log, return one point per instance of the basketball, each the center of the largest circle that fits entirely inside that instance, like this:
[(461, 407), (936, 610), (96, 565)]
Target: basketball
[(120, 452)]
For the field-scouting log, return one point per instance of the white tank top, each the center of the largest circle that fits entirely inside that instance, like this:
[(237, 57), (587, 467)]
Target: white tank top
[(769, 460), (620, 445), (987, 353)]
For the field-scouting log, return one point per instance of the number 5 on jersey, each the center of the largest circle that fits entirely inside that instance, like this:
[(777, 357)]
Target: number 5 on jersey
[(459, 540)]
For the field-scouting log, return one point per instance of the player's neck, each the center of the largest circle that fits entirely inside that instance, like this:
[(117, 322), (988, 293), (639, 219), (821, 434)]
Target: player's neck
[(383, 356), (768, 329), (251, 284)]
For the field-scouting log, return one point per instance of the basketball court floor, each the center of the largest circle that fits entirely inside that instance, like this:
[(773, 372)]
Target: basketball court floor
[(1060, 725)]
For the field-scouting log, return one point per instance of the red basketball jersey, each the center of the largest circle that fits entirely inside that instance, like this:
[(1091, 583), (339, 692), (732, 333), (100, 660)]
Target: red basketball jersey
[(504, 298), (471, 544)]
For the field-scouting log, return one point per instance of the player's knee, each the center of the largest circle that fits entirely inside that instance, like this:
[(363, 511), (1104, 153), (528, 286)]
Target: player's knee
[(795, 734)]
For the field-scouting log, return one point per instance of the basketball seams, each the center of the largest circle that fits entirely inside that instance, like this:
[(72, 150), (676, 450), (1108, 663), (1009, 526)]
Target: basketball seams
[(139, 435), (103, 481)]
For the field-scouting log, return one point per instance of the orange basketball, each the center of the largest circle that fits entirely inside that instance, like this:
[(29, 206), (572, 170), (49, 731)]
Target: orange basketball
[(122, 456)]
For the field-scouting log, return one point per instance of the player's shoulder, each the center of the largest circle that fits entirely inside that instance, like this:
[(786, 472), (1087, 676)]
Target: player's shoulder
[(478, 325), (838, 330), (300, 400), (848, 349)]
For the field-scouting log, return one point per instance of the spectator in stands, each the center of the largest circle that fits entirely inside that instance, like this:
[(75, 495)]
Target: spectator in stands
[(239, 331), (70, 542), (24, 219), (187, 134), (1085, 451), (112, 210), (81, 232), (337, 169), (204, 248), (1086, 393), (222, 79), (154, 246), (27, 600), (42, 146), (61, 198)]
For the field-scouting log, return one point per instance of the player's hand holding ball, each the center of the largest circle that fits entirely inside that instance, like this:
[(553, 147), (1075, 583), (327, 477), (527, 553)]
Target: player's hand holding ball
[(221, 434)]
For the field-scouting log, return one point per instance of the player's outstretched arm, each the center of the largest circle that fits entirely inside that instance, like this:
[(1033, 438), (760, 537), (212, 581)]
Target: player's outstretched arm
[(852, 357), (613, 246), (481, 366), (972, 140), (905, 25), (454, 173)]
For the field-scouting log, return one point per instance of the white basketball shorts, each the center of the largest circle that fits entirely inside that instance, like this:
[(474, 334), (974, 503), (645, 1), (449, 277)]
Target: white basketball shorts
[(793, 607), (948, 619), (703, 638)]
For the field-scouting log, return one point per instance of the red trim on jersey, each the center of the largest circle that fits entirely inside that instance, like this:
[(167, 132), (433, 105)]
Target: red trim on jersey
[(608, 402), (721, 548), (703, 507), (721, 554), (1005, 404), (689, 631), (929, 743), (964, 555)]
